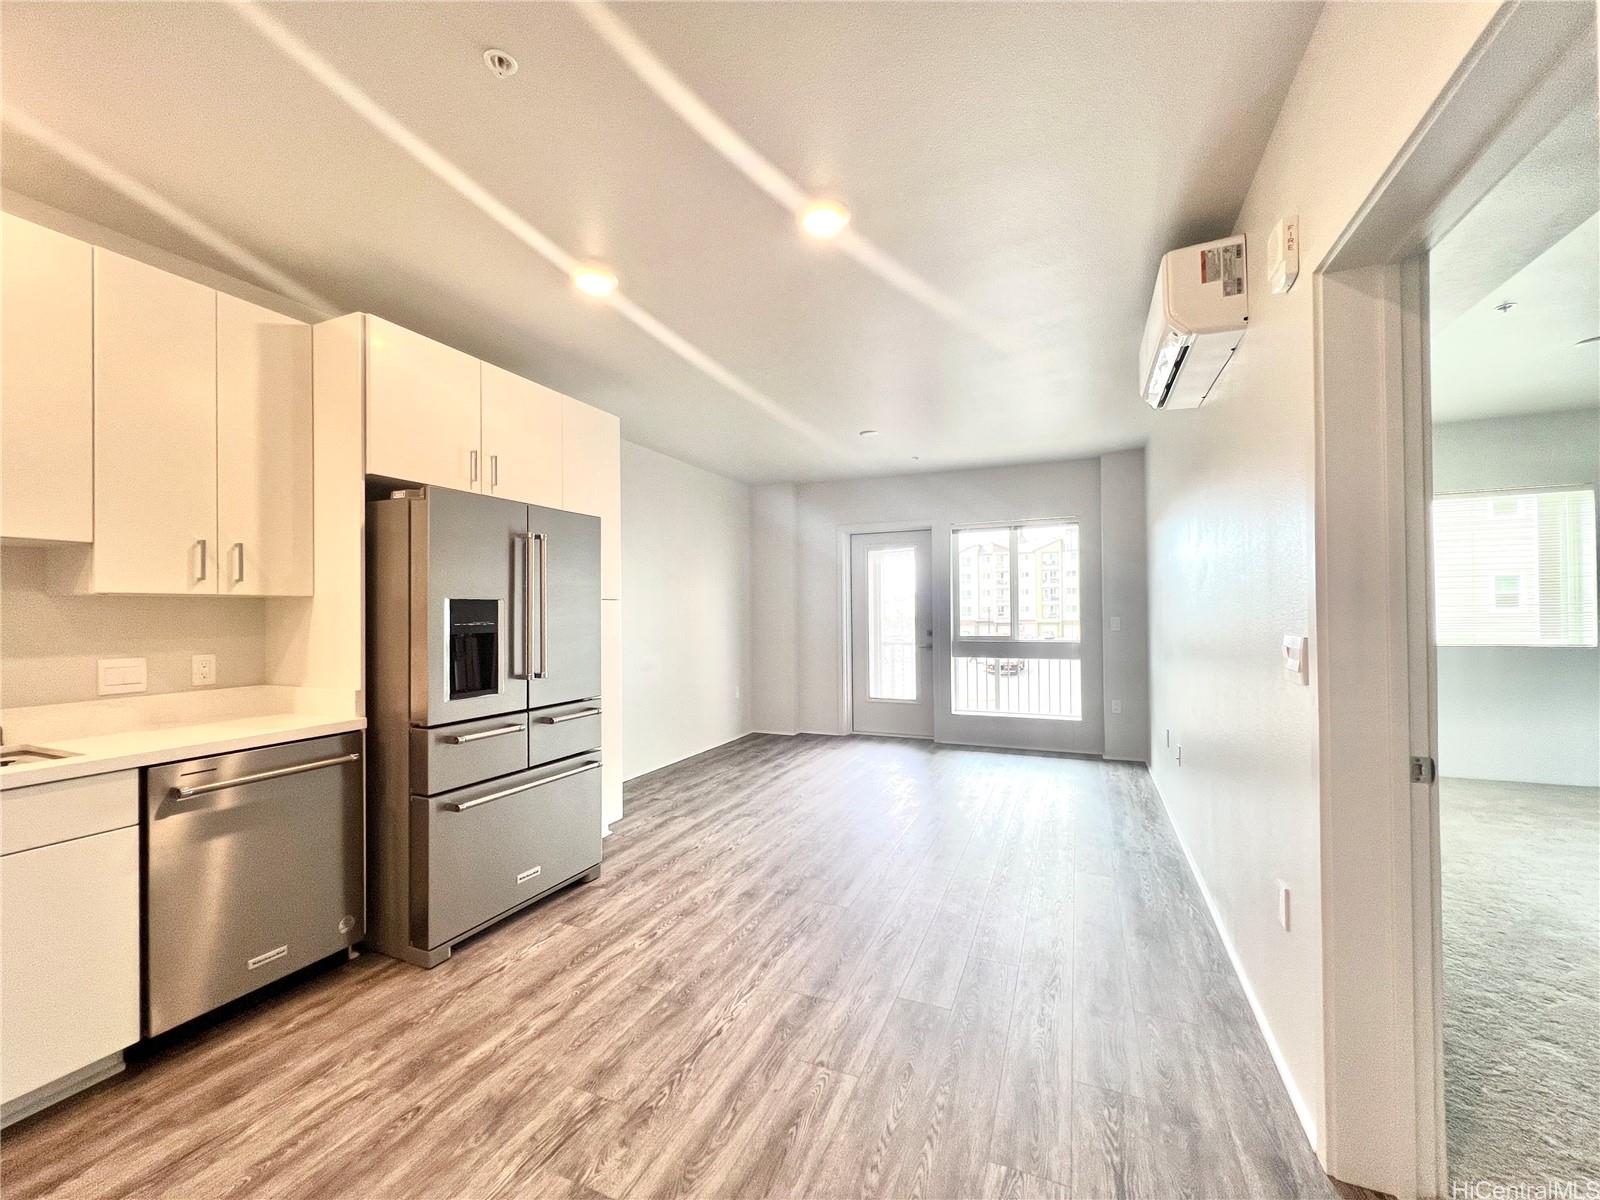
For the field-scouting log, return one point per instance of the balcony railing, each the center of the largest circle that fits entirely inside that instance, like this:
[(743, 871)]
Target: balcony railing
[(1017, 687)]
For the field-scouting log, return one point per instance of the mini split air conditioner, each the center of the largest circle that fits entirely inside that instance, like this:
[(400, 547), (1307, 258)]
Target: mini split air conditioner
[(1197, 320)]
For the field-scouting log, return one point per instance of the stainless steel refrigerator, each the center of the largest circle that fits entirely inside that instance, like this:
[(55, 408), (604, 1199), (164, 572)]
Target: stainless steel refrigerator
[(483, 639)]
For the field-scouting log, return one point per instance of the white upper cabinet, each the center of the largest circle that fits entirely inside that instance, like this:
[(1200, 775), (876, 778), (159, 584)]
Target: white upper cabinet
[(46, 384), (521, 438), (422, 409), (591, 458), (155, 430), (264, 484)]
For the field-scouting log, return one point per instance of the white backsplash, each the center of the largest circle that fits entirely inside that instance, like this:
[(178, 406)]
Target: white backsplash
[(50, 642)]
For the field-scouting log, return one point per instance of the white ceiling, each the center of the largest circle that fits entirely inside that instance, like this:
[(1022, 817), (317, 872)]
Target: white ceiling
[(1023, 166), (1534, 357), (1533, 241)]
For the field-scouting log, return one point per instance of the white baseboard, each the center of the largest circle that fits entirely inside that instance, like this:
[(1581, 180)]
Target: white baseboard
[(1301, 1108)]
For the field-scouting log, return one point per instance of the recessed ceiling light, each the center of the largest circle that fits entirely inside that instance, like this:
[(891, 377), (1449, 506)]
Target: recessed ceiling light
[(500, 64), (595, 280), (824, 219), (1505, 306), (868, 433)]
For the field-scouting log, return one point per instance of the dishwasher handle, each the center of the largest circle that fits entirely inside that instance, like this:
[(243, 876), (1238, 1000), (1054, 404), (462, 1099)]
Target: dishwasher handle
[(221, 785)]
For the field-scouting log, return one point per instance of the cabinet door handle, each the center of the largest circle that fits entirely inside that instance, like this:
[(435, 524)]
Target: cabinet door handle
[(494, 470), (238, 548), (201, 577), (472, 466)]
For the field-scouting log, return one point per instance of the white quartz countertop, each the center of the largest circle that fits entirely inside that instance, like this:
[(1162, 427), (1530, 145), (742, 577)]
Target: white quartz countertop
[(105, 751)]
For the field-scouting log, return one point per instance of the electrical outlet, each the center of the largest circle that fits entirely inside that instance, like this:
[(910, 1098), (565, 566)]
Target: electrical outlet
[(1283, 905), (1116, 624), (1116, 707), (203, 670), (118, 676)]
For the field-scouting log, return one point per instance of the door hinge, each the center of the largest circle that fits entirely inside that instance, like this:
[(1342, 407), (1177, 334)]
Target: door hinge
[(1422, 769)]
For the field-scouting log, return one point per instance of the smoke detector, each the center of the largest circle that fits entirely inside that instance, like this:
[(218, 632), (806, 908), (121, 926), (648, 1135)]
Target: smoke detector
[(501, 65)]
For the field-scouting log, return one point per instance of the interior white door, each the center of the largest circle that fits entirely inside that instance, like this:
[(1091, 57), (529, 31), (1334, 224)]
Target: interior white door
[(891, 633)]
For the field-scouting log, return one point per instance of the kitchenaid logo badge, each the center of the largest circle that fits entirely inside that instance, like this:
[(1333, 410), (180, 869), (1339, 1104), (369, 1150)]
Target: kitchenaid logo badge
[(530, 873), (1543, 1189), (272, 955)]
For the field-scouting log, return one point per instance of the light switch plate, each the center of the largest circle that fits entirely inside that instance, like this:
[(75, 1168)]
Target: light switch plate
[(1116, 624), (203, 670), (119, 676), (1294, 656)]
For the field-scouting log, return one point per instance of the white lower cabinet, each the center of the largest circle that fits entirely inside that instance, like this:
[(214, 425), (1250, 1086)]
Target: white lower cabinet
[(69, 929)]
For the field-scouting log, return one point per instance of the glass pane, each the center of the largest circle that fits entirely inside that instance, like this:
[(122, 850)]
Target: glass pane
[(1017, 687), (1047, 583), (892, 623), (983, 580), (1515, 570)]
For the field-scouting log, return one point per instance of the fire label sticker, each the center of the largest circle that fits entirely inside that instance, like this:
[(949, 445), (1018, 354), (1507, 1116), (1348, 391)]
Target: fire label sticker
[(1224, 264)]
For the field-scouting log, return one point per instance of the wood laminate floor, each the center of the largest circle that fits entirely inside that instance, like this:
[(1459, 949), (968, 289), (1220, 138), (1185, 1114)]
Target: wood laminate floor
[(812, 967)]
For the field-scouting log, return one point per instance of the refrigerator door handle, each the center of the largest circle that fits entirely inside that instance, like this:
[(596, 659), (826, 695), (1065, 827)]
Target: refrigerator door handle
[(527, 606), (540, 542)]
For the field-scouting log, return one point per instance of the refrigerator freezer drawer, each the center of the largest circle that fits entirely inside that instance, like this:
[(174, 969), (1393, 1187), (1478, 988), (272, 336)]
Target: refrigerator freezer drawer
[(254, 867), (452, 756), (482, 851), (563, 731)]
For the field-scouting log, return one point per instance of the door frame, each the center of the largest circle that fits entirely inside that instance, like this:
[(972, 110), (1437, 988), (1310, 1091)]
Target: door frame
[(1382, 950), (843, 534)]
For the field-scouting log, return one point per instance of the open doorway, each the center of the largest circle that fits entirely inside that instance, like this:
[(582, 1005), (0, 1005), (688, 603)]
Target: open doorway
[(1514, 392)]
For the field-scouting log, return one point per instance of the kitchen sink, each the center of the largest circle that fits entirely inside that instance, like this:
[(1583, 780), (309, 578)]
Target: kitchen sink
[(16, 756)]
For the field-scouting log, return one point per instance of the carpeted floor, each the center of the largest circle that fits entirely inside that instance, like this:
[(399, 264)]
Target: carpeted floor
[(1521, 875)]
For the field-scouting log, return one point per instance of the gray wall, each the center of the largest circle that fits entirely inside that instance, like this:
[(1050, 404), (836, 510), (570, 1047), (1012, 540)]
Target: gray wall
[(1527, 713), (686, 616), (797, 593), (1125, 592)]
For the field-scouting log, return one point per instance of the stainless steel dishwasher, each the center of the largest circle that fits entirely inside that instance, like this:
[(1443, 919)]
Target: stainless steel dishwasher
[(254, 867)]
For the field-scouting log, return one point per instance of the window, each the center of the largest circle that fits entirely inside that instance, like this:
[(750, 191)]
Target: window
[(892, 623), (1046, 600), (1027, 667), (1515, 570)]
